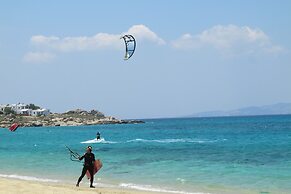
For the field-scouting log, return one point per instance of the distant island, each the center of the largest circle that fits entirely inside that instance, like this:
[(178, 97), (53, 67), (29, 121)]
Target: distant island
[(274, 109), (30, 115)]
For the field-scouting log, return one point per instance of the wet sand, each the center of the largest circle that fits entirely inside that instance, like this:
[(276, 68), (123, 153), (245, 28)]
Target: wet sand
[(14, 186)]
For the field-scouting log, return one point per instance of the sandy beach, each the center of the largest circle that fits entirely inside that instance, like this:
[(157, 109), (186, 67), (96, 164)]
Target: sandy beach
[(14, 186)]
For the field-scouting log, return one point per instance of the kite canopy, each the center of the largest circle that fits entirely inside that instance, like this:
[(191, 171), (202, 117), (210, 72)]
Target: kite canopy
[(13, 127), (130, 45)]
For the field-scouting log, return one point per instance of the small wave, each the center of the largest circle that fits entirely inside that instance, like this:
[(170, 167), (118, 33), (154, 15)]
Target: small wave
[(181, 140), (102, 140), (186, 140), (181, 180), (153, 189), (27, 178)]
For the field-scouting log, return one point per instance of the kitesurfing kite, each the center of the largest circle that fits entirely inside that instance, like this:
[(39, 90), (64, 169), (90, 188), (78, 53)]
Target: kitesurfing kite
[(130, 45), (13, 127)]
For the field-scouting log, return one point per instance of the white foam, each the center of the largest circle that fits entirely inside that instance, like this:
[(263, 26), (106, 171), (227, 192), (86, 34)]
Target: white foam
[(102, 140), (99, 184), (158, 140), (28, 178), (179, 140), (150, 188), (186, 140), (181, 180)]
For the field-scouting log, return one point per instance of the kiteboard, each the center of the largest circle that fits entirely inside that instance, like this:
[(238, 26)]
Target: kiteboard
[(97, 166), (13, 127)]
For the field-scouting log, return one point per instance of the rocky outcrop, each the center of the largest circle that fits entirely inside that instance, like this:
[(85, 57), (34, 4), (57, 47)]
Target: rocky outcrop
[(70, 118)]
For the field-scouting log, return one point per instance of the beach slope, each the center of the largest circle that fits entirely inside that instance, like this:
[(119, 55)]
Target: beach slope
[(13, 186)]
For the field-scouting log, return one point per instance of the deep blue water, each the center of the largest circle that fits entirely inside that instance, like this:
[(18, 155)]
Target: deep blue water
[(215, 155)]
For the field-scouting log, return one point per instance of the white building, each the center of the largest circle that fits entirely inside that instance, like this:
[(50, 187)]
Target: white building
[(40, 112), (22, 109), (18, 107), (2, 107)]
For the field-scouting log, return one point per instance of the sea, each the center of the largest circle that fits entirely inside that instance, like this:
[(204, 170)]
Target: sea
[(178, 155)]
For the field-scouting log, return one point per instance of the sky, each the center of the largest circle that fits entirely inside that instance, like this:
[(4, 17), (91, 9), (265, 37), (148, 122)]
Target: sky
[(191, 56)]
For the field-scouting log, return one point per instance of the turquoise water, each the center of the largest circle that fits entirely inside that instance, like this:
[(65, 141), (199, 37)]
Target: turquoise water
[(191, 155)]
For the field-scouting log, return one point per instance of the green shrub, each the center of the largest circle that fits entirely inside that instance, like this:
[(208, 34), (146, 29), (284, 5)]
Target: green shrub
[(8, 110)]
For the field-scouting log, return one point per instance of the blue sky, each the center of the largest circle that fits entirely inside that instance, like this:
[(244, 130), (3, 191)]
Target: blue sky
[(191, 56)]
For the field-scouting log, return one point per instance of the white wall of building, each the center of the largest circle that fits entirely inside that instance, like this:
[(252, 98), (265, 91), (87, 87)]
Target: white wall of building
[(20, 108), (39, 112)]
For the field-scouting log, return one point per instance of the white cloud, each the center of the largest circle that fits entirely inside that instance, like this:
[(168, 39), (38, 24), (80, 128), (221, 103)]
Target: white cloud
[(229, 39), (141, 32), (98, 41), (43, 39), (81, 43), (38, 57)]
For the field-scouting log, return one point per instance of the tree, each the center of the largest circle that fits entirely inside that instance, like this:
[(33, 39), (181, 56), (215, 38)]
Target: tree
[(32, 106), (8, 110)]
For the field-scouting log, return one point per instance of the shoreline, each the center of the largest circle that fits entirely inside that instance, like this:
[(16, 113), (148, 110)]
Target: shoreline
[(134, 158), (16, 186), (61, 186)]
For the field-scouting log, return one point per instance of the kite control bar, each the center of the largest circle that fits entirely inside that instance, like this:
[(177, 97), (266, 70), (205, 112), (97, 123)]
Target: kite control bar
[(74, 155)]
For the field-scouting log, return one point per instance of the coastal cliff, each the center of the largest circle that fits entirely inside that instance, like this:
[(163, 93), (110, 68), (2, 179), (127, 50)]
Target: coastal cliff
[(71, 118)]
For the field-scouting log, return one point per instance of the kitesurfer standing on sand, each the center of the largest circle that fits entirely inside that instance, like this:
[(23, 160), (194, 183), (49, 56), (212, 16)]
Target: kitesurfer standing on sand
[(88, 165)]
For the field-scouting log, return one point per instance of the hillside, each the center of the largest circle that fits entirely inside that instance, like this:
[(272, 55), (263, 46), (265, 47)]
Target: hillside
[(274, 109), (71, 118)]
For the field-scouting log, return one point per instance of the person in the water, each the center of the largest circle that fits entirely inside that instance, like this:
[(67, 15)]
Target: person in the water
[(98, 136), (88, 165)]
